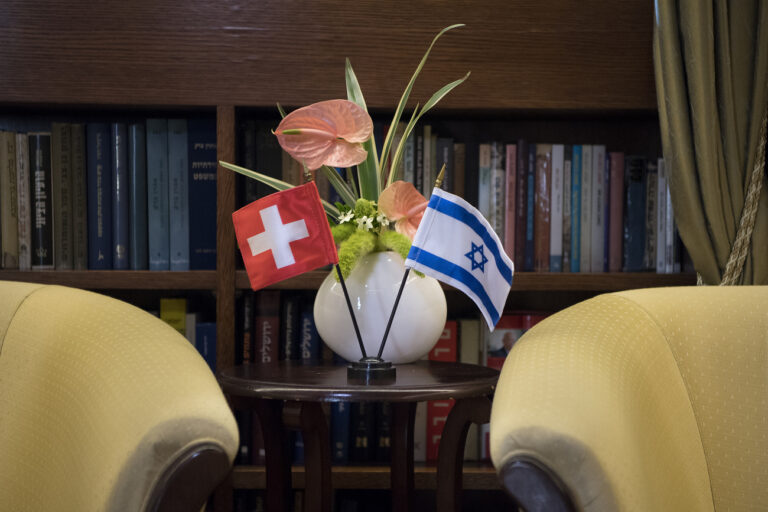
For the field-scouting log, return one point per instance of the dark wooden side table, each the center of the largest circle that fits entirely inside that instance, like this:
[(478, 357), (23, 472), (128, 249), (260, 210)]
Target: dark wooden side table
[(290, 394)]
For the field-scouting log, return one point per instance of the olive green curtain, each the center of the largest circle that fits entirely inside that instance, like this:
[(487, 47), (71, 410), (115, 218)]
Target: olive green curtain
[(711, 62)]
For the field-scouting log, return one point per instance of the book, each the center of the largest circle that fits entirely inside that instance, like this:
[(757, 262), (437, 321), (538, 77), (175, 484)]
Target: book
[(576, 209), (340, 419), (484, 180), (437, 410), (651, 212), (174, 313), (362, 431), (138, 250), (599, 202), (427, 169), (383, 431), (498, 343), (469, 353), (310, 344), (556, 205), (158, 222), (120, 196), (498, 188), (634, 213), (616, 207), (205, 342), (510, 197), (290, 314), (178, 189), (61, 181), (41, 205), (269, 156), (266, 347), (543, 207), (521, 199), (444, 150), (246, 331), (409, 159), (661, 218), (202, 193), (24, 231), (79, 198), (567, 208), (9, 202), (99, 179)]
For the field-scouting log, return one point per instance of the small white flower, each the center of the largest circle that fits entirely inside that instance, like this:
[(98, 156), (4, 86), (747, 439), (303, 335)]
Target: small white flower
[(346, 217), (382, 220), (364, 223)]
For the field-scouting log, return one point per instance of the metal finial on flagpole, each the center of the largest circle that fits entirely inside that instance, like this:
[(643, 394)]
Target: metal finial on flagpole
[(439, 180)]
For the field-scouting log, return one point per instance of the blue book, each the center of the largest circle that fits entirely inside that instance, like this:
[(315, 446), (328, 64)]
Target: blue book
[(634, 213), (99, 178), (178, 201), (309, 339), (137, 202), (340, 419), (290, 315), (530, 205), (201, 143), (157, 194), (205, 342), (576, 209), (120, 201)]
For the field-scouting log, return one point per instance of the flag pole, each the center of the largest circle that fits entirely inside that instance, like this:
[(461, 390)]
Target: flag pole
[(351, 311), (438, 182)]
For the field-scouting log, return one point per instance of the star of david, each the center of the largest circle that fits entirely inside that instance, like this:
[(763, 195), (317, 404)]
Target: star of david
[(477, 249)]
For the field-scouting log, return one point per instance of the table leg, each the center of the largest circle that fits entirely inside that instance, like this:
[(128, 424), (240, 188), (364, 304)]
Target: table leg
[(403, 416), (450, 458), (277, 459), (310, 419), (223, 496)]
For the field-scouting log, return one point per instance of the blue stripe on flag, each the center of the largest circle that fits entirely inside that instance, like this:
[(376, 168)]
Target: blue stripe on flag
[(447, 207), (456, 272)]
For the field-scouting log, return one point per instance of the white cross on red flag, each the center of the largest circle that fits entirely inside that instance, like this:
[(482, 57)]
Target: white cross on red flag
[(283, 235)]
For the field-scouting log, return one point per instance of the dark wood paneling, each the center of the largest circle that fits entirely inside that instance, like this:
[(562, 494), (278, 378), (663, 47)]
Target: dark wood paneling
[(225, 239), (523, 54)]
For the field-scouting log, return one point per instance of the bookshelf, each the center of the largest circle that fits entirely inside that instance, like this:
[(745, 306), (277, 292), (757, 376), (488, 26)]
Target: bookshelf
[(544, 69)]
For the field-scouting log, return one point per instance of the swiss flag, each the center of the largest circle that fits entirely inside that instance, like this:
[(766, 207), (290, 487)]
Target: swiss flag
[(283, 235)]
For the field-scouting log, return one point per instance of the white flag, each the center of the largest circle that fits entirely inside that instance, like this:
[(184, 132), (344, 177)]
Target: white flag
[(456, 245)]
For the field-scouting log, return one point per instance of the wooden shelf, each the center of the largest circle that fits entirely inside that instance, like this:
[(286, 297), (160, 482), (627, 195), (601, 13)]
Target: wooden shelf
[(477, 476), (118, 279), (525, 281)]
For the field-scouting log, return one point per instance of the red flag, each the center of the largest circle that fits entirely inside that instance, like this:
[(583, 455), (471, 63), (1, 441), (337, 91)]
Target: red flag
[(283, 235)]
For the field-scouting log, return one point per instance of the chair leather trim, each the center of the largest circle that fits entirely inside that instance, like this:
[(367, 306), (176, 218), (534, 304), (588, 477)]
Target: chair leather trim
[(534, 486)]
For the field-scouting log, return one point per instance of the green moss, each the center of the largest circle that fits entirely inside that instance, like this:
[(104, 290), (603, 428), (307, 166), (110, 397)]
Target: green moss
[(364, 207), (394, 241), (342, 231), (357, 245)]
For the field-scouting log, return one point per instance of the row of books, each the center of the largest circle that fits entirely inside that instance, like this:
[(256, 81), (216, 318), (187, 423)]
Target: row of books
[(578, 208), (275, 325), (202, 335), (122, 195)]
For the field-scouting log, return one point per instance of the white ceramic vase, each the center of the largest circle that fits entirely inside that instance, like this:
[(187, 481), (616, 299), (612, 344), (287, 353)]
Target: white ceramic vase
[(372, 286)]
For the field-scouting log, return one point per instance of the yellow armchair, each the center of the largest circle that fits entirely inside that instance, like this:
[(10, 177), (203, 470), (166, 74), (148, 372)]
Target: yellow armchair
[(646, 400), (103, 407)]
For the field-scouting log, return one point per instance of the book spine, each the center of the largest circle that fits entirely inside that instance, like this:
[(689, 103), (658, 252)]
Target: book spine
[(267, 327), (383, 431), (597, 241), (269, 156), (99, 198), (661, 218), (362, 431), (428, 167), (498, 188), (530, 208), (543, 208), (174, 313), (158, 239), (670, 233), (634, 213), (437, 410), (616, 207), (460, 166), (61, 181), (42, 207), (178, 189), (247, 188), (484, 181), (556, 219), (587, 171), (137, 208), (521, 201), (409, 159), (340, 419), (9, 202), (247, 332), (202, 194), (205, 342), (24, 203), (290, 320), (120, 194), (79, 198), (651, 211), (418, 181), (567, 208), (576, 209), (510, 198), (309, 340)]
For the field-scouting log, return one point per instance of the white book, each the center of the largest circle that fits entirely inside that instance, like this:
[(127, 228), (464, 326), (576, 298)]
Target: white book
[(409, 159), (190, 327), (661, 219), (556, 212), (23, 198), (586, 208), (599, 204), (484, 180)]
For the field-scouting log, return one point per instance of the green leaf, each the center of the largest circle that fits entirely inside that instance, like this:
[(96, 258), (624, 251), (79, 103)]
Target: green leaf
[(279, 185), (338, 183), (401, 147), (281, 110), (367, 170), (403, 100)]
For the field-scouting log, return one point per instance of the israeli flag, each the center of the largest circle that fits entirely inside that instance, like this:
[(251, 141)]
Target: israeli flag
[(456, 245)]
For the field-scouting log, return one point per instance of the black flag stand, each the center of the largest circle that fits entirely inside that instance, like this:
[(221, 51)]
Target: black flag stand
[(374, 370)]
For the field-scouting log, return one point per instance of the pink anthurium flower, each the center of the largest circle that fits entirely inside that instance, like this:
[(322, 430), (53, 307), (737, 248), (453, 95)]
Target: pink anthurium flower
[(404, 204), (326, 133)]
